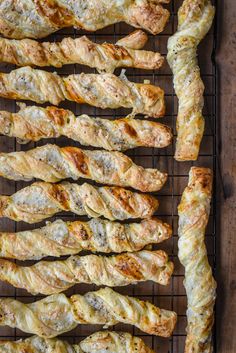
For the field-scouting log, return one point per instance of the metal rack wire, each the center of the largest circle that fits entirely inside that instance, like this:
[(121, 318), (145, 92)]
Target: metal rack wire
[(173, 296)]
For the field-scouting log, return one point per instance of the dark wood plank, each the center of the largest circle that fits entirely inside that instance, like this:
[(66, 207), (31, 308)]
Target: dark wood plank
[(226, 58)]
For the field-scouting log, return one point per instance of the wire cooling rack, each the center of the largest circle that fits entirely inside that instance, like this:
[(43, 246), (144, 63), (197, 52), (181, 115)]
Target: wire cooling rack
[(172, 296)]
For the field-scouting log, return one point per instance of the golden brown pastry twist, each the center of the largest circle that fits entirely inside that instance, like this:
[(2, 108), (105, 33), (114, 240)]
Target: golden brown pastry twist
[(194, 21), (68, 238), (104, 90), (46, 277), (34, 123), (57, 314), (104, 57), (39, 18), (200, 285), (52, 163), (42, 200), (99, 342)]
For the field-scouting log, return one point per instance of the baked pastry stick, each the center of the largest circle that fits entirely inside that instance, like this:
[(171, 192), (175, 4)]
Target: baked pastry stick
[(38, 19), (68, 238), (52, 163), (35, 123), (103, 57), (50, 277), (195, 19), (102, 341), (200, 285), (57, 314), (103, 91), (41, 200)]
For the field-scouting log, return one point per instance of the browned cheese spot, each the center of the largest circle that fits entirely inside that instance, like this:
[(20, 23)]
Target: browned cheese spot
[(129, 267), (57, 15), (58, 116), (78, 158)]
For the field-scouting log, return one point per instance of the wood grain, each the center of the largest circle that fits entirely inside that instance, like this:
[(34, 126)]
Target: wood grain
[(226, 60)]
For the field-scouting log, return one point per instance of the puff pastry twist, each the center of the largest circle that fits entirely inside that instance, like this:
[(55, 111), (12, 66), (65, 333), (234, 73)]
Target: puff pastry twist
[(52, 163), (34, 123), (118, 270), (104, 57), (42, 200), (200, 285), (57, 314), (194, 21), (39, 18), (104, 90), (99, 342), (68, 238)]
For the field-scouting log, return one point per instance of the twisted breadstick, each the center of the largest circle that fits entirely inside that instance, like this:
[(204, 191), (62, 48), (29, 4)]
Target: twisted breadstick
[(35, 123), (195, 19), (42, 200), (68, 238), (104, 91), (118, 270), (103, 341), (104, 57), (200, 286), (52, 163), (57, 314), (37, 19)]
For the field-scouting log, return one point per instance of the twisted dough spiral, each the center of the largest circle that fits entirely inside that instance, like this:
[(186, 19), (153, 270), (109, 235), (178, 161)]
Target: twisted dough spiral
[(68, 238), (39, 18), (57, 314), (104, 57), (103, 91), (118, 270), (99, 342), (52, 163), (34, 123), (200, 285), (42, 200), (195, 19)]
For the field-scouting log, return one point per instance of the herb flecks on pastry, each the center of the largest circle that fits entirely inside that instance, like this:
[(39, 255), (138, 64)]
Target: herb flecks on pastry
[(32, 123), (200, 285), (57, 314), (194, 21)]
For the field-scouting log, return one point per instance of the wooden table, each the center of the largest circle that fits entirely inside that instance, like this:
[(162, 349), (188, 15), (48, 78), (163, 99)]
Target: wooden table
[(226, 59)]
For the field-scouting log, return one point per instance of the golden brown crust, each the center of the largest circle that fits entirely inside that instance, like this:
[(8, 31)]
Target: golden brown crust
[(104, 57), (68, 238), (104, 306), (42, 200), (39, 18), (135, 40), (194, 21), (52, 277), (52, 163), (41, 86), (200, 285), (34, 123), (111, 342)]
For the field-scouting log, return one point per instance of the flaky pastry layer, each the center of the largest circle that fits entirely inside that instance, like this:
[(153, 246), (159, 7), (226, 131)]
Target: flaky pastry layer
[(103, 91), (194, 21), (110, 342), (104, 57), (58, 314), (42, 200), (33, 123), (200, 285), (37, 19), (52, 163), (68, 238), (49, 277)]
